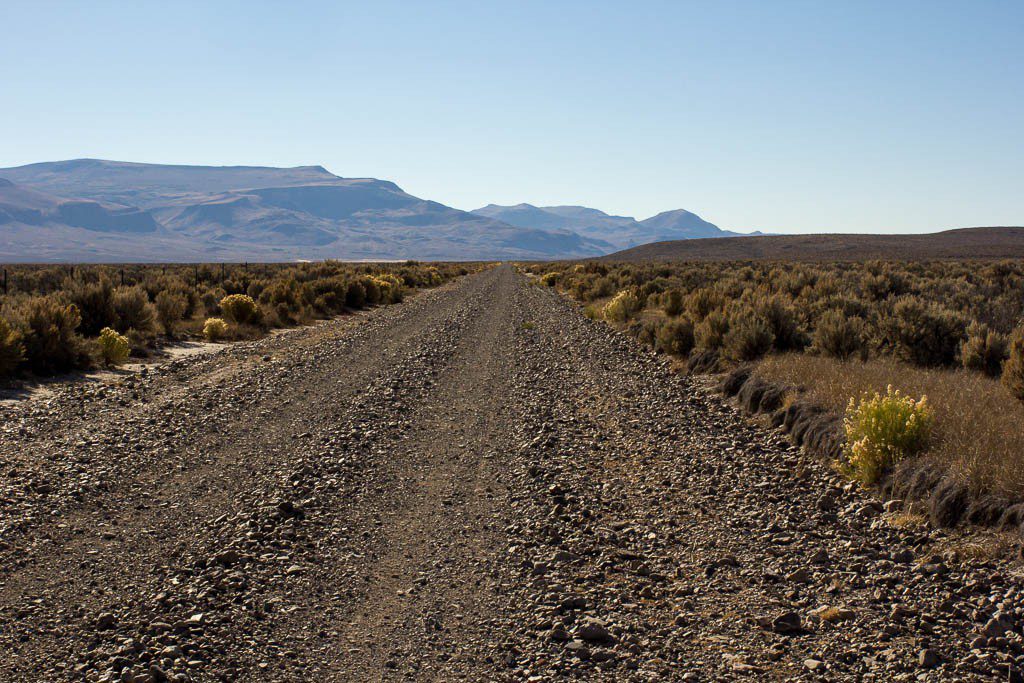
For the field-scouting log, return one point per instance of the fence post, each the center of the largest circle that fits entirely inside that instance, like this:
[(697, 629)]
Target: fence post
[(5, 281)]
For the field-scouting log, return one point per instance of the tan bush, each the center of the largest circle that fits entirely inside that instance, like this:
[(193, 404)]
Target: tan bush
[(984, 349), (672, 302), (920, 332), (749, 336), (49, 330), (133, 311), (170, 309), (675, 337), (710, 333), (1013, 368), (839, 336), (12, 351)]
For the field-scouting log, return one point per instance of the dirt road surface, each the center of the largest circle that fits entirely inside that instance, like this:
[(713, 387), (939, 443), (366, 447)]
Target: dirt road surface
[(478, 484)]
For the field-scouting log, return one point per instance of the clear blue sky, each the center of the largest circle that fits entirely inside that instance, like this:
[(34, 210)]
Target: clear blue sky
[(780, 116)]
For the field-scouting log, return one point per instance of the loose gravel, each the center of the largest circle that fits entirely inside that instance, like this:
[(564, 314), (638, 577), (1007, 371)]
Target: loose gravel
[(477, 484)]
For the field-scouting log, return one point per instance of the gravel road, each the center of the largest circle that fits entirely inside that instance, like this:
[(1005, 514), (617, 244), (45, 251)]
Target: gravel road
[(477, 484)]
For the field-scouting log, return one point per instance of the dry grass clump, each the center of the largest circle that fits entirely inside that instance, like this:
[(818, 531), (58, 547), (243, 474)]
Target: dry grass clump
[(978, 429), (51, 317)]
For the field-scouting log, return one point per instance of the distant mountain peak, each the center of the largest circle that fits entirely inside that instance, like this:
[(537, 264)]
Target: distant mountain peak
[(68, 210), (621, 231)]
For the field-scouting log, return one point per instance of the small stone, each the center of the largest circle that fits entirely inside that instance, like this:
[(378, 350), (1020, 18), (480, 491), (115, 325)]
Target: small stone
[(928, 658), (105, 621), (814, 665)]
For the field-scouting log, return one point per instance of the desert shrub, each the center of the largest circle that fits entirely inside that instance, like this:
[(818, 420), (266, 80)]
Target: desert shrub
[(170, 308), (372, 289), (12, 351), (921, 333), (48, 326), (782, 320), (211, 300), (646, 332), (1013, 368), (881, 431), (241, 309), (113, 347), (95, 302), (701, 302), (355, 295), (672, 302), (710, 332), (676, 337), (214, 329), (133, 311), (549, 279), (839, 336), (749, 336), (622, 307), (983, 349)]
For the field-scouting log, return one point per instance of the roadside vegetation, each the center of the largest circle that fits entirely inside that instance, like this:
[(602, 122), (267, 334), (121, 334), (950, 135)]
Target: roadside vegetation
[(918, 362), (57, 319)]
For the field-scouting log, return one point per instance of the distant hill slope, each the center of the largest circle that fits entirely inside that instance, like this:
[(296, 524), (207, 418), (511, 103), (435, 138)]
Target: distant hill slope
[(982, 243), (248, 213), (618, 231)]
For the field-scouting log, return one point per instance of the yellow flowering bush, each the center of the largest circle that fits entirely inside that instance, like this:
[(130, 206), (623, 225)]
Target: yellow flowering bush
[(881, 431), (113, 346), (622, 307), (549, 279), (240, 308), (214, 329)]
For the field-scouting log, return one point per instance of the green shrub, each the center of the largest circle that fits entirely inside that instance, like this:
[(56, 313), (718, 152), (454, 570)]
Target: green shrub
[(113, 347), (12, 351), (48, 325), (1013, 368), (241, 309), (839, 335), (133, 311), (622, 307), (881, 431), (170, 308), (749, 336), (676, 337), (984, 349), (214, 329)]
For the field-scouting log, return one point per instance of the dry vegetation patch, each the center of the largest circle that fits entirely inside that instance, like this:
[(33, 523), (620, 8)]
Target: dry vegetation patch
[(979, 428), (951, 331), (55, 319)]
